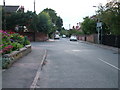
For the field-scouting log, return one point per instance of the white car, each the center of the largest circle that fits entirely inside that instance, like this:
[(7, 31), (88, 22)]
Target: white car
[(63, 36), (73, 38), (57, 36)]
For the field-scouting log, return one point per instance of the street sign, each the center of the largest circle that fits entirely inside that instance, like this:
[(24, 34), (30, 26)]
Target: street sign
[(99, 24)]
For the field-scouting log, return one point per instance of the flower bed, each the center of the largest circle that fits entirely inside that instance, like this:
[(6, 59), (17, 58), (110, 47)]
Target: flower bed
[(9, 59), (12, 47)]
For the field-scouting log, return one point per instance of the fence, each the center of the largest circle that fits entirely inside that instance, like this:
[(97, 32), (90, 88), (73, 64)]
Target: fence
[(111, 40)]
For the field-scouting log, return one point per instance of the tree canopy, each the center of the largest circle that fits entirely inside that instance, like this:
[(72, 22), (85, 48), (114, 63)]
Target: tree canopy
[(110, 15), (88, 26), (56, 20), (46, 21)]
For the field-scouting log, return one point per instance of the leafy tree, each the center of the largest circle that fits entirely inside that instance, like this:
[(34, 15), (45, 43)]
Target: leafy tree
[(59, 23), (28, 19), (63, 32), (52, 14), (74, 32), (14, 19), (31, 20), (47, 21), (110, 15), (56, 20), (88, 26), (44, 22)]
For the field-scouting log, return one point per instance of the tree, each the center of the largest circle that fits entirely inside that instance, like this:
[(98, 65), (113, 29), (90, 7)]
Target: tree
[(31, 20), (44, 23), (88, 26), (110, 15), (59, 23), (28, 19), (56, 20), (14, 19), (52, 14)]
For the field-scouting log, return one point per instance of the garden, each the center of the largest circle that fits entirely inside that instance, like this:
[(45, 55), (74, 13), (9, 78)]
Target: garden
[(10, 42)]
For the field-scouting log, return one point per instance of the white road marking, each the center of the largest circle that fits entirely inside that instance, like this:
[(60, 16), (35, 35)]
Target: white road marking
[(75, 50), (46, 45), (73, 42), (109, 64)]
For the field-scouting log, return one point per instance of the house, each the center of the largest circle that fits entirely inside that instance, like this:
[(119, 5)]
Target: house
[(8, 9)]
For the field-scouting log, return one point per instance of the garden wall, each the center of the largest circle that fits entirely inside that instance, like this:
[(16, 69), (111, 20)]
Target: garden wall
[(9, 59), (90, 38), (41, 37), (81, 37), (35, 36)]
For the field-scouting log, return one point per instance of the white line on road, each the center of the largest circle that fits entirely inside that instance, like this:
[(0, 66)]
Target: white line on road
[(109, 64)]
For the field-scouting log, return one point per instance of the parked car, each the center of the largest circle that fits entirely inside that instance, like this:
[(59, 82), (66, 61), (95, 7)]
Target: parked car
[(63, 36), (73, 38), (57, 36)]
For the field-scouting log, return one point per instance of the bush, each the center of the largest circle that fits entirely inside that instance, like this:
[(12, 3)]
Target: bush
[(16, 46), (12, 41)]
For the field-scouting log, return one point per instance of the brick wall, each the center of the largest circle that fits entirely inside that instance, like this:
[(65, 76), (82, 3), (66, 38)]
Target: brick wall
[(41, 36), (37, 36), (81, 37), (90, 38)]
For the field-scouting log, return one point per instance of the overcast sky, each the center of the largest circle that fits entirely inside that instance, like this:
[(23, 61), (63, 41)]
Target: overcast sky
[(71, 11)]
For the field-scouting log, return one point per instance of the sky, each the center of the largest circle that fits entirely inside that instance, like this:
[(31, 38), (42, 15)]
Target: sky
[(71, 11)]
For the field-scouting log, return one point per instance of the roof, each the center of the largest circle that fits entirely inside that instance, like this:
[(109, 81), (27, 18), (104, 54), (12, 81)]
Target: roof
[(11, 8)]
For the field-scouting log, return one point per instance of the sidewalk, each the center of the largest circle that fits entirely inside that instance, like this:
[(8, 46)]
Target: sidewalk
[(103, 46), (23, 72)]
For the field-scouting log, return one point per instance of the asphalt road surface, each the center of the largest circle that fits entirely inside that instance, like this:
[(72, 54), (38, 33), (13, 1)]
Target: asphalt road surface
[(72, 64)]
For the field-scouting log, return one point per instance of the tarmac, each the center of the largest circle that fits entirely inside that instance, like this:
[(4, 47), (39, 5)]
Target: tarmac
[(25, 72), (117, 50)]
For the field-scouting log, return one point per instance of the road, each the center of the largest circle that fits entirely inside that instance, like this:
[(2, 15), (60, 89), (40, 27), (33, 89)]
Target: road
[(77, 65)]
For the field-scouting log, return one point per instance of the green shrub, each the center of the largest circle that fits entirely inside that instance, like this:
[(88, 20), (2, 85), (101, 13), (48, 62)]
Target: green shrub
[(16, 46), (26, 41)]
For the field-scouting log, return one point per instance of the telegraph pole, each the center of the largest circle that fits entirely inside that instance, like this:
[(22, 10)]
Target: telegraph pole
[(34, 19), (4, 21), (34, 7)]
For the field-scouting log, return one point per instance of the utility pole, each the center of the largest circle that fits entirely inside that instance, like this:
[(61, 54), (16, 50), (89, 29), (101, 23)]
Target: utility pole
[(4, 21), (34, 7), (34, 19)]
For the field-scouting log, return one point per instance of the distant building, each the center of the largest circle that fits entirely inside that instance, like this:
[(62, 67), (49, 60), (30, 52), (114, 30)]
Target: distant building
[(10, 9), (93, 17), (78, 26)]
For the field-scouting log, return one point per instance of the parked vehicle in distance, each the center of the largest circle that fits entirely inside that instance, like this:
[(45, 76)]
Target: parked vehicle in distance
[(57, 36), (73, 38), (63, 36)]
